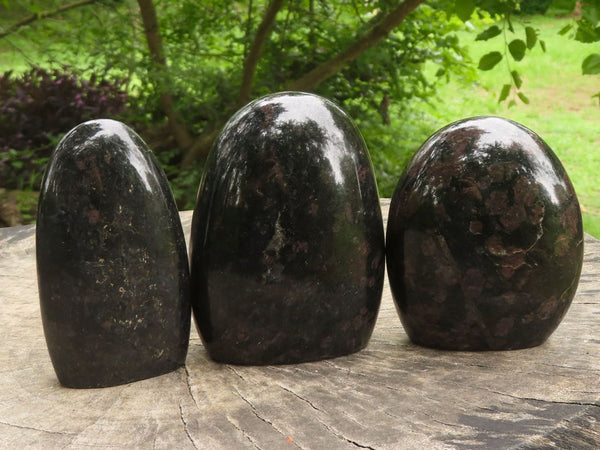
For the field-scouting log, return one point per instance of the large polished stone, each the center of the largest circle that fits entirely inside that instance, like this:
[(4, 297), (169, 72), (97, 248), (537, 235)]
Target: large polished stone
[(287, 252), (484, 239), (112, 265)]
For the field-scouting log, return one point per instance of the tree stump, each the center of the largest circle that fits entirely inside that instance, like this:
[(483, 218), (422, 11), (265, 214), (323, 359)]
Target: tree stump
[(391, 395)]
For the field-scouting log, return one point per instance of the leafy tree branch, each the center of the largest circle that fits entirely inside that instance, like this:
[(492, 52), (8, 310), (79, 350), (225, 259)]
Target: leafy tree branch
[(180, 133), (378, 32), (44, 15), (253, 56), (313, 78)]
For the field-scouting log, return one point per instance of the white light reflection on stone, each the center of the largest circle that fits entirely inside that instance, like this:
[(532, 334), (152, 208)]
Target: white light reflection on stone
[(111, 129), (498, 134), (304, 108)]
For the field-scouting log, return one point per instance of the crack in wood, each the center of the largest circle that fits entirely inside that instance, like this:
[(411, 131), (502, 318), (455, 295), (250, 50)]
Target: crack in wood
[(562, 366), (345, 369), (185, 425), (255, 412), (41, 430), (311, 404), (447, 424), (239, 375), (533, 399), (244, 432), (189, 386), (340, 436)]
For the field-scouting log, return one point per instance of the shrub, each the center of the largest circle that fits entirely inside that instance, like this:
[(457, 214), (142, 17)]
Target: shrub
[(37, 108), (183, 181)]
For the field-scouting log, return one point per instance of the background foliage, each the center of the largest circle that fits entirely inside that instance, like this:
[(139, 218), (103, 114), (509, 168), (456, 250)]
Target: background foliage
[(204, 55), (35, 110)]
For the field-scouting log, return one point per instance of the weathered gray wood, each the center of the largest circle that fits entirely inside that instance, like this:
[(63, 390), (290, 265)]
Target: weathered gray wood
[(391, 395)]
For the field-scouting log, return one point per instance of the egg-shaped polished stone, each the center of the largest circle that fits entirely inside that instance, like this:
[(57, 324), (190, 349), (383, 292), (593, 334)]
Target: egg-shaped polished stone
[(112, 264), (484, 239), (287, 252)]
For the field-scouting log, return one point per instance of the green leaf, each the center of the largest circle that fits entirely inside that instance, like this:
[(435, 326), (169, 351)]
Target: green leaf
[(561, 7), (440, 72), (531, 37), (488, 33), (489, 60), (517, 79), (587, 32), (504, 93), (591, 64), (517, 49), (464, 9), (523, 98), (590, 11), (35, 9), (543, 45), (564, 30), (511, 104)]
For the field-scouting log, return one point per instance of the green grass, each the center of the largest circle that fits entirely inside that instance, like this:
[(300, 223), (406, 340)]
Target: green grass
[(561, 110)]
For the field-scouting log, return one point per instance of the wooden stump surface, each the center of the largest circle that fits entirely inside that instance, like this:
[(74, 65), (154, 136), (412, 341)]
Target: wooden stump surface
[(391, 395)]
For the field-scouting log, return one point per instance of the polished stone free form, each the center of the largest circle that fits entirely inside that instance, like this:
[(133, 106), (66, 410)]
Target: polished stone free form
[(287, 238), (112, 267), (484, 239)]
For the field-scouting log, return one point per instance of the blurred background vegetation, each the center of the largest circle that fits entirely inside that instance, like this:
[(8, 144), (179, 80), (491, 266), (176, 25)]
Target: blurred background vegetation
[(176, 70)]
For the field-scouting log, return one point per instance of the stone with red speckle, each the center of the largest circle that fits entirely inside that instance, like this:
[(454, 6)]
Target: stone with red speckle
[(484, 239), (287, 252)]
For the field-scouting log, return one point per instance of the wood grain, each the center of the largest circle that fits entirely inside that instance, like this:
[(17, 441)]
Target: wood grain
[(391, 395)]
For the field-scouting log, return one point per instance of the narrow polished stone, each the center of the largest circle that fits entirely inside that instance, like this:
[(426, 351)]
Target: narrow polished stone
[(112, 264), (287, 252), (484, 239)]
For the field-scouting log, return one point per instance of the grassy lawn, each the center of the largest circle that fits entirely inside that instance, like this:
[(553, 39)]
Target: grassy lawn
[(561, 110)]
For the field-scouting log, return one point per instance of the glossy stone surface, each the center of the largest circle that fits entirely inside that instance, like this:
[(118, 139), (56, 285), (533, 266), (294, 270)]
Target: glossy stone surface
[(484, 239), (112, 265), (287, 237)]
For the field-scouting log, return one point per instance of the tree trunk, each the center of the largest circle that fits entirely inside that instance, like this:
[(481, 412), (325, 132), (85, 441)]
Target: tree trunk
[(180, 133), (384, 107), (372, 37), (253, 55), (201, 147), (320, 73)]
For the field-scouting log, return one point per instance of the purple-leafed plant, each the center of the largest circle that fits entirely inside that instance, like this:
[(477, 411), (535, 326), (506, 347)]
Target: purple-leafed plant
[(37, 108)]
